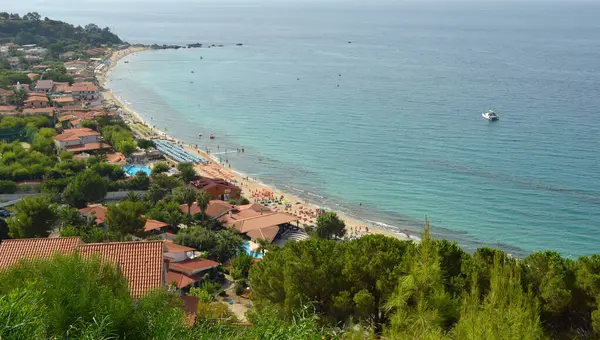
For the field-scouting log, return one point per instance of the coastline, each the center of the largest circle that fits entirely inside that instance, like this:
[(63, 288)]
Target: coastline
[(249, 186)]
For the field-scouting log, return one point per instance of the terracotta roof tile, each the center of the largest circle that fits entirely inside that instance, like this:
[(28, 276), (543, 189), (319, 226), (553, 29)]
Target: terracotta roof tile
[(11, 251), (140, 262), (176, 248), (182, 280), (192, 266), (75, 134), (97, 209), (6, 108), (87, 147), (262, 221), (215, 208), (38, 111), (154, 225), (267, 233)]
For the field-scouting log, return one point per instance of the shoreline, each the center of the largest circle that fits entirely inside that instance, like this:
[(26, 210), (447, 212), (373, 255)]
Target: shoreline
[(354, 226)]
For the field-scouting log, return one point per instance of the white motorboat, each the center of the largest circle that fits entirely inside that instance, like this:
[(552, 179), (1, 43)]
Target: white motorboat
[(490, 115)]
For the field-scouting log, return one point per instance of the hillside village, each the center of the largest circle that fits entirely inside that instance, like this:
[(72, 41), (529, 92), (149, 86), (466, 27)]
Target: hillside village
[(73, 148)]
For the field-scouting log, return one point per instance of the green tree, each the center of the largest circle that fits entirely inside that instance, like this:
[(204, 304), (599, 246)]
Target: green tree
[(203, 200), (262, 245), (329, 225), (166, 182), (196, 237), (187, 172), (86, 187), (133, 196), (506, 312), (18, 97), (421, 307), (188, 196), (126, 147), (241, 263), (160, 167), (7, 187), (145, 143), (229, 243), (34, 217), (125, 218)]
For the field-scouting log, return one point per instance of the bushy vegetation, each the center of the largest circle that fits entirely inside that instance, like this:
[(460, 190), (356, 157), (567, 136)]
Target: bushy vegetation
[(432, 290), (10, 77), (55, 35), (220, 246), (120, 137)]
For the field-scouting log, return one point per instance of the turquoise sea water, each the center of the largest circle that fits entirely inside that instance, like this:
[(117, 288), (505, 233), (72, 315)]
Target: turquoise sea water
[(402, 133)]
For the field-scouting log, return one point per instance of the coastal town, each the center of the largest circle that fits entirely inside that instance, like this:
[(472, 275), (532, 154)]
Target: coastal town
[(62, 100), (110, 228)]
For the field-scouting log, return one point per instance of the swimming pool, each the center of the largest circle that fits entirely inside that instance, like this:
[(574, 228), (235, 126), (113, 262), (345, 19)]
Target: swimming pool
[(250, 252), (131, 170)]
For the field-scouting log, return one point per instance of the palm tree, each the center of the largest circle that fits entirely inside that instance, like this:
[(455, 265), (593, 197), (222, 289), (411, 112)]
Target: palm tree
[(188, 195), (203, 199), (132, 196), (262, 245)]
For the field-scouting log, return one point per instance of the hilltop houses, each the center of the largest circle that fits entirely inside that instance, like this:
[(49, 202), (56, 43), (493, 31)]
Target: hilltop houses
[(36, 100)]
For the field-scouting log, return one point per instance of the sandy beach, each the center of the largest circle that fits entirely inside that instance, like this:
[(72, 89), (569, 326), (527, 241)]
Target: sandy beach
[(251, 189)]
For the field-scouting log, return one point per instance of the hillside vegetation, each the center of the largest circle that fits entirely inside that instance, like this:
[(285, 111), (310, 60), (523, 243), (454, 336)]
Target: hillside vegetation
[(56, 35)]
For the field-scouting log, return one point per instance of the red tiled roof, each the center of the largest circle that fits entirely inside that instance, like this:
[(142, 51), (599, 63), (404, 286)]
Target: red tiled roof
[(182, 280), (87, 147), (36, 98), (11, 251), (140, 262), (5, 92), (6, 108), (41, 110), (215, 208), (176, 248), (267, 233), (97, 209), (262, 221), (192, 266), (76, 62), (32, 75), (75, 134), (154, 225), (115, 157), (66, 99), (83, 87)]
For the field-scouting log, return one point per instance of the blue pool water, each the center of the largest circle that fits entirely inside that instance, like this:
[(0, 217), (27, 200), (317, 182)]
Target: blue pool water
[(251, 253), (131, 170)]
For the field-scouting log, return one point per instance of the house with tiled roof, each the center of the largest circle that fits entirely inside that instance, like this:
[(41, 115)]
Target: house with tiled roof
[(44, 86), (11, 251), (141, 263), (32, 75), (63, 100), (4, 95), (215, 209), (84, 91), (218, 188), (13, 62), (99, 211), (66, 56), (46, 111), (36, 100), (79, 140), (7, 108)]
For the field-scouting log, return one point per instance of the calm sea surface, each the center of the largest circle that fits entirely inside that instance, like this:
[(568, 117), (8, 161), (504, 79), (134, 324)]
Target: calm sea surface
[(391, 120)]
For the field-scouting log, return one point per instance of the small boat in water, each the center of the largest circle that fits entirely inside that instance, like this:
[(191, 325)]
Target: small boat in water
[(126, 61), (212, 136), (490, 115), (200, 134)]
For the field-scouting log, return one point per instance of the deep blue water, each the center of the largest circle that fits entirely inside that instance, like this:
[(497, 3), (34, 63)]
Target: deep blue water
[(402, 133)]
